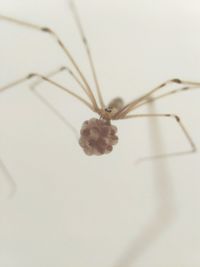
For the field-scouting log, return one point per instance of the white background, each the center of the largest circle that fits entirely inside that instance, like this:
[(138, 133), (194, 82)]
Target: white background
[(61, 208)]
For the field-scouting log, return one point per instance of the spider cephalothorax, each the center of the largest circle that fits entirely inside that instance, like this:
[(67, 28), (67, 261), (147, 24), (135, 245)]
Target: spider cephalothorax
[(112, 109), (98, 136)]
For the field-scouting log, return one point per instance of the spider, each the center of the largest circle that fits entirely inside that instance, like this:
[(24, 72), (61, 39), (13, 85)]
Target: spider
[(98, 135)]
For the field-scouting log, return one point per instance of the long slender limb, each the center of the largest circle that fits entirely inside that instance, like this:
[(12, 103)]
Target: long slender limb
[(32, 75), (132, 105), (57, 71), (62, 46), (182, 89), (185, 132), (88, 51), (48, 75), (56, 112)]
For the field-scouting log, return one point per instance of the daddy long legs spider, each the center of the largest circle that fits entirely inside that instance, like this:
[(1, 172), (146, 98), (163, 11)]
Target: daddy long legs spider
[(98, 135)]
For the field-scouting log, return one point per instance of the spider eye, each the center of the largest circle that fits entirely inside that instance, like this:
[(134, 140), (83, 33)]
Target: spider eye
[(109, 110)]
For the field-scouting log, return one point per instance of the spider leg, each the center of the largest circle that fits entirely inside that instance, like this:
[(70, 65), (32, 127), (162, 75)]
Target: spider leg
[(47, 103), (88, 51), (37, 82), (182, 127), (57, 71), (61, 45), (172, 92), (135, 103), (33, 75)]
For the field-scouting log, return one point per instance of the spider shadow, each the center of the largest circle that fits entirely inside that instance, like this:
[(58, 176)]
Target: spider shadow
[(9, 178), (4, 169), (165, 210), (55, 112)]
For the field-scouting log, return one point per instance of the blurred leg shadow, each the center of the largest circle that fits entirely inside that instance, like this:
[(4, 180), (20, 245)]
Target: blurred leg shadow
[(55, 112), (9, 179), (3, 167), (165, 210)]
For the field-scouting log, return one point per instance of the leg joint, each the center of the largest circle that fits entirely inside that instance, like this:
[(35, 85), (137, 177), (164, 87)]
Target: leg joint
[(31, 75), (176, 117), (176, 80), (45, 29)]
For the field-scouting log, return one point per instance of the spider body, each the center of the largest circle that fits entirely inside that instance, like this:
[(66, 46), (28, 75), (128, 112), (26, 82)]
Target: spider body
[(109, 113), (98, 136)]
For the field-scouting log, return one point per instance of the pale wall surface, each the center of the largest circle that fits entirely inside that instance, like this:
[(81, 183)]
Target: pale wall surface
[(70, 210)]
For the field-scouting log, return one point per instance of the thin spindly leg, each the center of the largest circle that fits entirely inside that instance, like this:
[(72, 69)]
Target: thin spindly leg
[(61, 45), (172, 92), (33, 75), (51, 74), (57, 71), (88, 51), (47, 103), (135, 103), (179, 122)]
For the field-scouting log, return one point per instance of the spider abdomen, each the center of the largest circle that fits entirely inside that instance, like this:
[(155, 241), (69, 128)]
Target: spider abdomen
[(98, 136)]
